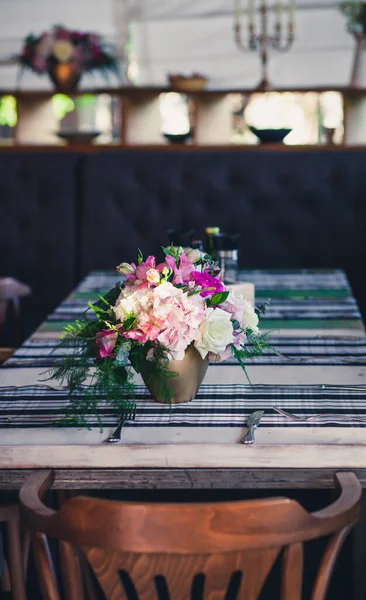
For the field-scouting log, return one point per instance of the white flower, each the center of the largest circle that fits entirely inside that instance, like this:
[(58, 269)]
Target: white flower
[(194, 255), (44, 46), (216, 332), (126, 269), (131, 303), (62, 50), (250, 317)]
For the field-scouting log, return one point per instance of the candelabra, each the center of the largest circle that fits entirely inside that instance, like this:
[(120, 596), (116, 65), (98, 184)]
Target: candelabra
[(262, 41)]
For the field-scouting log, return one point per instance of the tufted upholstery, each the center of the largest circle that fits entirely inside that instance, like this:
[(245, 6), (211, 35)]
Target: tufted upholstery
[(37, 227), (294, 209), (63, 214)]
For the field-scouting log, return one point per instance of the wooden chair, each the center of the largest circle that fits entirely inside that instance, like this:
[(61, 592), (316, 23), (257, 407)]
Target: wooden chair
[(6, 353), (147, 551), (12, 578)]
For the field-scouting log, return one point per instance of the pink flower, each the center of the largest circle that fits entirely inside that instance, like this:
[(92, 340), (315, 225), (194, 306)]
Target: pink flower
[(106, 341), (175, 342), (39, 64), (210, 285), (62, 34), (142, 275), (235, 306), (135, 334), (182, 273), (144, 267)]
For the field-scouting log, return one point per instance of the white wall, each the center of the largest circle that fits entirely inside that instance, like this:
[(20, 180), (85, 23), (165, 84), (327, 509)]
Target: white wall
[(186, 36)]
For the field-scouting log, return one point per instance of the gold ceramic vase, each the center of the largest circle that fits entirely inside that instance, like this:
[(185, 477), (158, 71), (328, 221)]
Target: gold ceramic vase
[(191, 372), (64, 77)]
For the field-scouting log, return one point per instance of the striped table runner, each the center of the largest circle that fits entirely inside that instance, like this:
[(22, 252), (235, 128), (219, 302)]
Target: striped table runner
[(316, 325), (227, 405)]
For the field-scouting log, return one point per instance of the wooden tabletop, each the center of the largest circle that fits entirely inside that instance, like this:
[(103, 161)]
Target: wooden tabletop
[(319, 338)]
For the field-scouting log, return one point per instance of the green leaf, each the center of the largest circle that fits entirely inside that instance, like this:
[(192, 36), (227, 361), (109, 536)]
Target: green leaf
[(110, 297), (140, 257), (101, 313), (129, 322), (218, 298)]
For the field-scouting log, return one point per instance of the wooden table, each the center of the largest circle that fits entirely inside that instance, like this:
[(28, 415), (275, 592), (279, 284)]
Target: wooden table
[(319, 333)]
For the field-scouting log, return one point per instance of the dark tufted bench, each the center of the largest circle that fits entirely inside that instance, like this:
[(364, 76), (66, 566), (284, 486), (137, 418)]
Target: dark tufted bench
[(37, 227), (63, 214), (294, 209)]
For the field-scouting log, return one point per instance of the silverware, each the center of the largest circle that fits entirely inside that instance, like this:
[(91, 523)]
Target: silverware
[(252, 424), (128, 414), (324, 417), (352, 388), (305, 386)]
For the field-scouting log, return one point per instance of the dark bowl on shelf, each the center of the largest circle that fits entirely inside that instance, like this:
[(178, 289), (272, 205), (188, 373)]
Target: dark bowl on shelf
[(78, 137), (178, 138), (270, 136)]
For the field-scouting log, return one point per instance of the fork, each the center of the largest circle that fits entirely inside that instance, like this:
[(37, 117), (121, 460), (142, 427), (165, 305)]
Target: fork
[(128, 414), (330, 416)]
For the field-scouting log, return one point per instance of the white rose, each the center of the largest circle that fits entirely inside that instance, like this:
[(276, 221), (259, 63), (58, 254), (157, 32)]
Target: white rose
[(62, 50), (216, 332), (250, 317)]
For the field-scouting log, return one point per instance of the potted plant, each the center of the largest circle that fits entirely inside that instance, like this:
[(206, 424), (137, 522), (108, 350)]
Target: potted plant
[(355, 13), (165, 321), (65, 55)]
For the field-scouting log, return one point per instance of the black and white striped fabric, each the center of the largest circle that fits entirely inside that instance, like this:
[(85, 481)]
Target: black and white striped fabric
[(327, 343), (38, 351), (214, 406)]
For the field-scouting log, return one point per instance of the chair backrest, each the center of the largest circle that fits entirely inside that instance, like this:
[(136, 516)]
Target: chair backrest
[(146, 551)]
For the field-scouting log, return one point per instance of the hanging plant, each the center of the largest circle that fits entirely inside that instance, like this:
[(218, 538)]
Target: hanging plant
[(355, 13)]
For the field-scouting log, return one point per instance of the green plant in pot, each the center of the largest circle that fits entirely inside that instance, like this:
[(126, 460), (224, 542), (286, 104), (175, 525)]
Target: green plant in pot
[(355, 13)]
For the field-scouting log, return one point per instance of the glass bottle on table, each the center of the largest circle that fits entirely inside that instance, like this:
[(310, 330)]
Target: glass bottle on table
[(227, 257), (211, 241)]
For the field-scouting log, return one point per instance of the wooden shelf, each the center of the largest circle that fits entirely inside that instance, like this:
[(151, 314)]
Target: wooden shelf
[(138, 118), (136, 90), (93, 149)]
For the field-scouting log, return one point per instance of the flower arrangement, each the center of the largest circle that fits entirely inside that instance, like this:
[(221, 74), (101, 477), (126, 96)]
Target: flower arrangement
[(152, 318), (83, 51), (355, 12)]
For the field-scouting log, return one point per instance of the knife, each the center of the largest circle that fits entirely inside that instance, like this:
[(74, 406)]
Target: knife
[(252, 424)]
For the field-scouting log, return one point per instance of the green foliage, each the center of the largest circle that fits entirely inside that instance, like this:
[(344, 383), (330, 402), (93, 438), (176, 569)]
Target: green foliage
[(110, 298), (92, 381), (61, 105), (8, 111), (85, 101), (140, 257), (353, 10), (218, 298)]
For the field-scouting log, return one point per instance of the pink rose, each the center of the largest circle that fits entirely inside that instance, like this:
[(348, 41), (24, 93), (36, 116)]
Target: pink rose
[(106, 341)]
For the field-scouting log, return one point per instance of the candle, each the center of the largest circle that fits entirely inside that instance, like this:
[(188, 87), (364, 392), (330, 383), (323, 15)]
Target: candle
[(237, 12), (278, 14), (251, 13), (291, 11)]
